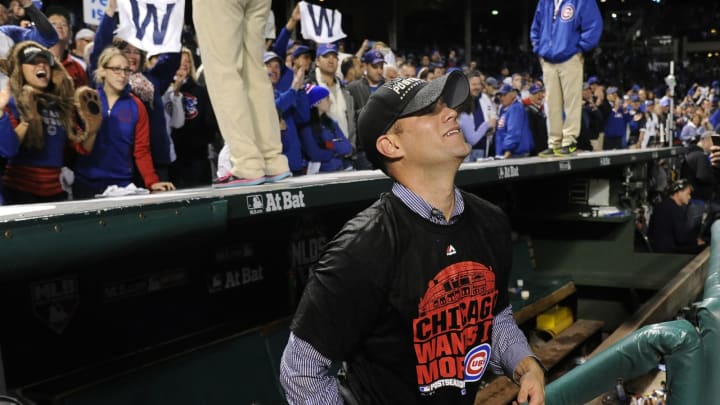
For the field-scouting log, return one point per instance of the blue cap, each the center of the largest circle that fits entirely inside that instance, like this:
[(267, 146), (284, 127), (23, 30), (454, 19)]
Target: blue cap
[(372, 57), (649, 102), (301, 49), (611, 90), (636, 87), (715, 84), (454, 69), (325, 49), (270, 55), (492, 82), (315, 94), (665, 102), (536, 88), (634, 97), (506, 88), (593, 80)]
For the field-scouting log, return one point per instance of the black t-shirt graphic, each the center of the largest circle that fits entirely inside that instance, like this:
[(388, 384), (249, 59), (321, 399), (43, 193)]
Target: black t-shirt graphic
[(451, 334), (409, 304)]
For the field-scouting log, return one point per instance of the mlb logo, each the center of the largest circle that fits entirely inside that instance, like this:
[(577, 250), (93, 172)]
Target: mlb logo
[(255, 202), (55, 302)]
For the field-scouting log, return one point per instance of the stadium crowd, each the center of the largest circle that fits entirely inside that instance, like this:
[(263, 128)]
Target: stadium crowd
[(86, 114)]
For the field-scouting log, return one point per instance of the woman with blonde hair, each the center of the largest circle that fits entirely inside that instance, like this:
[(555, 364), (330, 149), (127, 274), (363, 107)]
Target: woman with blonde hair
[(192, 167), (123, 138), (147, 84)]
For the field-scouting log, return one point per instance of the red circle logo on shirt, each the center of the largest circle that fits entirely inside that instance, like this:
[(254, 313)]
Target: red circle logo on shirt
[(567, 13), (476, 361)]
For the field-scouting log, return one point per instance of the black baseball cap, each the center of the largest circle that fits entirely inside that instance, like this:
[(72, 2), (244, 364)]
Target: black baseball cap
[(29, 54), (403, 97)]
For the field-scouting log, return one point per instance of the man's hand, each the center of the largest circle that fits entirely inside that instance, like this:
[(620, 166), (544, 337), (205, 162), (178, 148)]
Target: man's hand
[(111, 8), (532, 382), (180, 75), (715, 155), (298, 82), (599, 93), (365, 45), (294, 18), (5, 93), (162, 186)]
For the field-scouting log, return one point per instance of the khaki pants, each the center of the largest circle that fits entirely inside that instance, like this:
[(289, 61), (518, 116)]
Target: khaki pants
[(230, 35), (597, 144), (563, 86)]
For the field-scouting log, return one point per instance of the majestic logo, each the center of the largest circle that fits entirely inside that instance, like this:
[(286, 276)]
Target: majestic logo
[(567, 13), (476, 362), (455, 314), (450, 250), (55, 301)]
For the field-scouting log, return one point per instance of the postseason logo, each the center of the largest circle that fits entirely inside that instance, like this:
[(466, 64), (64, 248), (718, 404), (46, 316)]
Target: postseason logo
[(402, 87)]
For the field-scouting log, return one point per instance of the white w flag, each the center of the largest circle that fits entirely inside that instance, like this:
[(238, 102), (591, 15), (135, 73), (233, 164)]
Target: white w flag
[(320, 24), (154, 26)]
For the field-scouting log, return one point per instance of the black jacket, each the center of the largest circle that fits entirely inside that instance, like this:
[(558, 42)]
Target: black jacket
[(538, 126), (697, 170)]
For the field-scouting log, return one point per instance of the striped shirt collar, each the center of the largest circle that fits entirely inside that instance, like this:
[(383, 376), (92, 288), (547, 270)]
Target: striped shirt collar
[(424, 209)]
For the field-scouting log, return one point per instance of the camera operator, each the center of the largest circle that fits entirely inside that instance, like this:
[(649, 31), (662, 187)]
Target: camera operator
[(671, 231)]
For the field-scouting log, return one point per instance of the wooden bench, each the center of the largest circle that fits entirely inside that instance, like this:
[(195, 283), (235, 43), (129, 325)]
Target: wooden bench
[(502, 390)]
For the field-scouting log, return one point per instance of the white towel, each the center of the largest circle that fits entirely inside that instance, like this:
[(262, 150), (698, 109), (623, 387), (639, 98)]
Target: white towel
[(117, 191)]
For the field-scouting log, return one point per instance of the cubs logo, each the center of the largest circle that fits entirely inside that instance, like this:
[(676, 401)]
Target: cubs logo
[(476, 362), (190, 104), (501, 122), (567, 13)]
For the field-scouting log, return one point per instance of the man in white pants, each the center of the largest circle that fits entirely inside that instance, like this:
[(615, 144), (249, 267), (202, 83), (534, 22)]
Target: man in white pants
[(232, 41), (561, 31)]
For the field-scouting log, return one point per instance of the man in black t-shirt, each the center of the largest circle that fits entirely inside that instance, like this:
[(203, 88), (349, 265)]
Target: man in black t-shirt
[(412, 293)]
